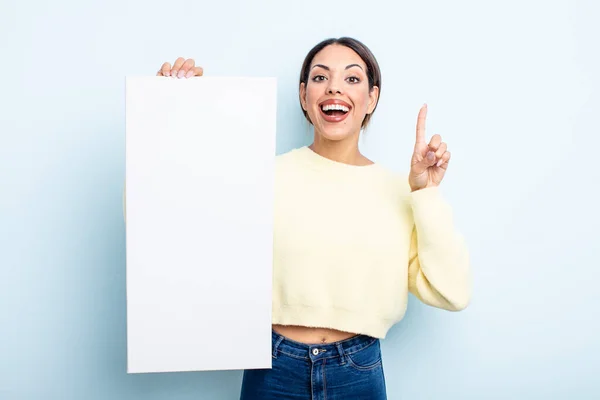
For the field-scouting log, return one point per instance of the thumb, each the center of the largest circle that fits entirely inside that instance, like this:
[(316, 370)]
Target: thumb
[(425, 163)]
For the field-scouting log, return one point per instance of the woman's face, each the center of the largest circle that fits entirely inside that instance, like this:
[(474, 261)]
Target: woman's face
[(336, 95)]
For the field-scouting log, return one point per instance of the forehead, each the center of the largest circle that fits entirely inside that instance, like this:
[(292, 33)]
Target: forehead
[(337, 56)]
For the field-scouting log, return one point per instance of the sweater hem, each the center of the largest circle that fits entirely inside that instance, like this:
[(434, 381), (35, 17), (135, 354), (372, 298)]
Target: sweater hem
[(361, 323)]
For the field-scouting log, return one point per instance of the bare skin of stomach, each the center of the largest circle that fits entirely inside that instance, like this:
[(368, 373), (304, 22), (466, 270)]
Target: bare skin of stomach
[(308, 335)]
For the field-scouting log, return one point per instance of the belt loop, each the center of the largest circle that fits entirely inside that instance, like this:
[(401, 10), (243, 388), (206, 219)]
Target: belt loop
[(276, 345), (340, 350)]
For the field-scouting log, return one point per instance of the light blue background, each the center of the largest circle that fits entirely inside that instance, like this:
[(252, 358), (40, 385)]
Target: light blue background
[(512, 87)]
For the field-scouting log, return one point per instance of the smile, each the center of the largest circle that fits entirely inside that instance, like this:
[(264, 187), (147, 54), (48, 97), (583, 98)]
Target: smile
[(334, 110)]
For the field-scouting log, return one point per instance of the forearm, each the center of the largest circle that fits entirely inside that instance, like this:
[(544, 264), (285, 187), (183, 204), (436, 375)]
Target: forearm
[(439, 270)]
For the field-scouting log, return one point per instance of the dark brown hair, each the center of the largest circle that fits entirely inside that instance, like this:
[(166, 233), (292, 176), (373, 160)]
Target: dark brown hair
[(373, 72)]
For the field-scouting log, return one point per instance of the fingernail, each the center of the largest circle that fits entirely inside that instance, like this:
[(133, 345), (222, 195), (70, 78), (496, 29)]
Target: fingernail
[(181, 74), (440, 162), (189, 74), (430, 156), (167, 73), (174, 73)]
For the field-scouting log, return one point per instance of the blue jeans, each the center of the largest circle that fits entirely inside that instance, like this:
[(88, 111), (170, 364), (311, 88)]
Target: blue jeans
[(345, 370)]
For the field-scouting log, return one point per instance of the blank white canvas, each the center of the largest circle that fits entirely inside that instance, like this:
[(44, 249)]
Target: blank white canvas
[(200, 159)]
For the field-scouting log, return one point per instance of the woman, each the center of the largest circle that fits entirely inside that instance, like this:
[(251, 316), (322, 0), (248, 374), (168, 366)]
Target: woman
[(352, 239)]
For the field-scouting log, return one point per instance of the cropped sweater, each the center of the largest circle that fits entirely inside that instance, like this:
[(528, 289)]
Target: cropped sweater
[(351, 242)]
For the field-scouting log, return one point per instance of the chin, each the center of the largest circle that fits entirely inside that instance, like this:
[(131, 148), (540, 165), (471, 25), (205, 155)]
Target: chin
[(334, 135), (336, 131)]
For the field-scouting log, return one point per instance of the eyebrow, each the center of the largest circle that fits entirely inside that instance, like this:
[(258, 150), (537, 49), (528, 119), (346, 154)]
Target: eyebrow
[(325, 67)]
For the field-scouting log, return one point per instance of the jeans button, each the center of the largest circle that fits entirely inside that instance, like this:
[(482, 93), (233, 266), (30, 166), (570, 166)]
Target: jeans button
[(315, 352)]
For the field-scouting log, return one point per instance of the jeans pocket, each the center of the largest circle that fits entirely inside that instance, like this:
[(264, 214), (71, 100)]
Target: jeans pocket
[(366, 359)]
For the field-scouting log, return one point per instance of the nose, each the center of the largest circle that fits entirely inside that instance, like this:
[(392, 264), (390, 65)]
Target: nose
[(333, 87)]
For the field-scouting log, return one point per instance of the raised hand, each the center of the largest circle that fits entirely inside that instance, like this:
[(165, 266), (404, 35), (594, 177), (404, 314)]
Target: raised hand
[(181, 69), (430, 160)]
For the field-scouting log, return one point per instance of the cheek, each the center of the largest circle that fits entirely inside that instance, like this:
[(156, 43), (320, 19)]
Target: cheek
[(361, 101), (311, 97)]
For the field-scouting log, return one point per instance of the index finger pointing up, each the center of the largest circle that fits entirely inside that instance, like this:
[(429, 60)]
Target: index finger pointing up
[(421, 124)]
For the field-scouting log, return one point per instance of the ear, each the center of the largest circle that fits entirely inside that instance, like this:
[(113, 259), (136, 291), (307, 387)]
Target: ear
[(373, 99), (303, 95)]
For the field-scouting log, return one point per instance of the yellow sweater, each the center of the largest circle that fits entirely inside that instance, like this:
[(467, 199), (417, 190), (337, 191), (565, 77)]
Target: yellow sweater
[(350, 243)]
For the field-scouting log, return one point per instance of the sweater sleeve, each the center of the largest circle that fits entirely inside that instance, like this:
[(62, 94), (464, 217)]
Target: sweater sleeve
[(439, 272)]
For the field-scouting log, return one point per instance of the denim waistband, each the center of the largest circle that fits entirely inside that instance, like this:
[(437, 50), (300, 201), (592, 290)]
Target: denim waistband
[(320, 351)]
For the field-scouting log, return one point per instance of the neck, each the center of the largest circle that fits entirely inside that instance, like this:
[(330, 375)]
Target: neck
[(344, 151)]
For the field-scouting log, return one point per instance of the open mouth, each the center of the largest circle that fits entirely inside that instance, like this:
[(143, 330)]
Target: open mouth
[(334, 111)]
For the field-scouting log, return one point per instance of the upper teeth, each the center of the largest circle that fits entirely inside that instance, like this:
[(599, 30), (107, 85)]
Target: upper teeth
[(330, 107)]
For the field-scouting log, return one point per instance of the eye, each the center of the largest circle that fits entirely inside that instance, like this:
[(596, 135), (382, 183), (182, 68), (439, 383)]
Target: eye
[(318, 78), (353, 79)]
